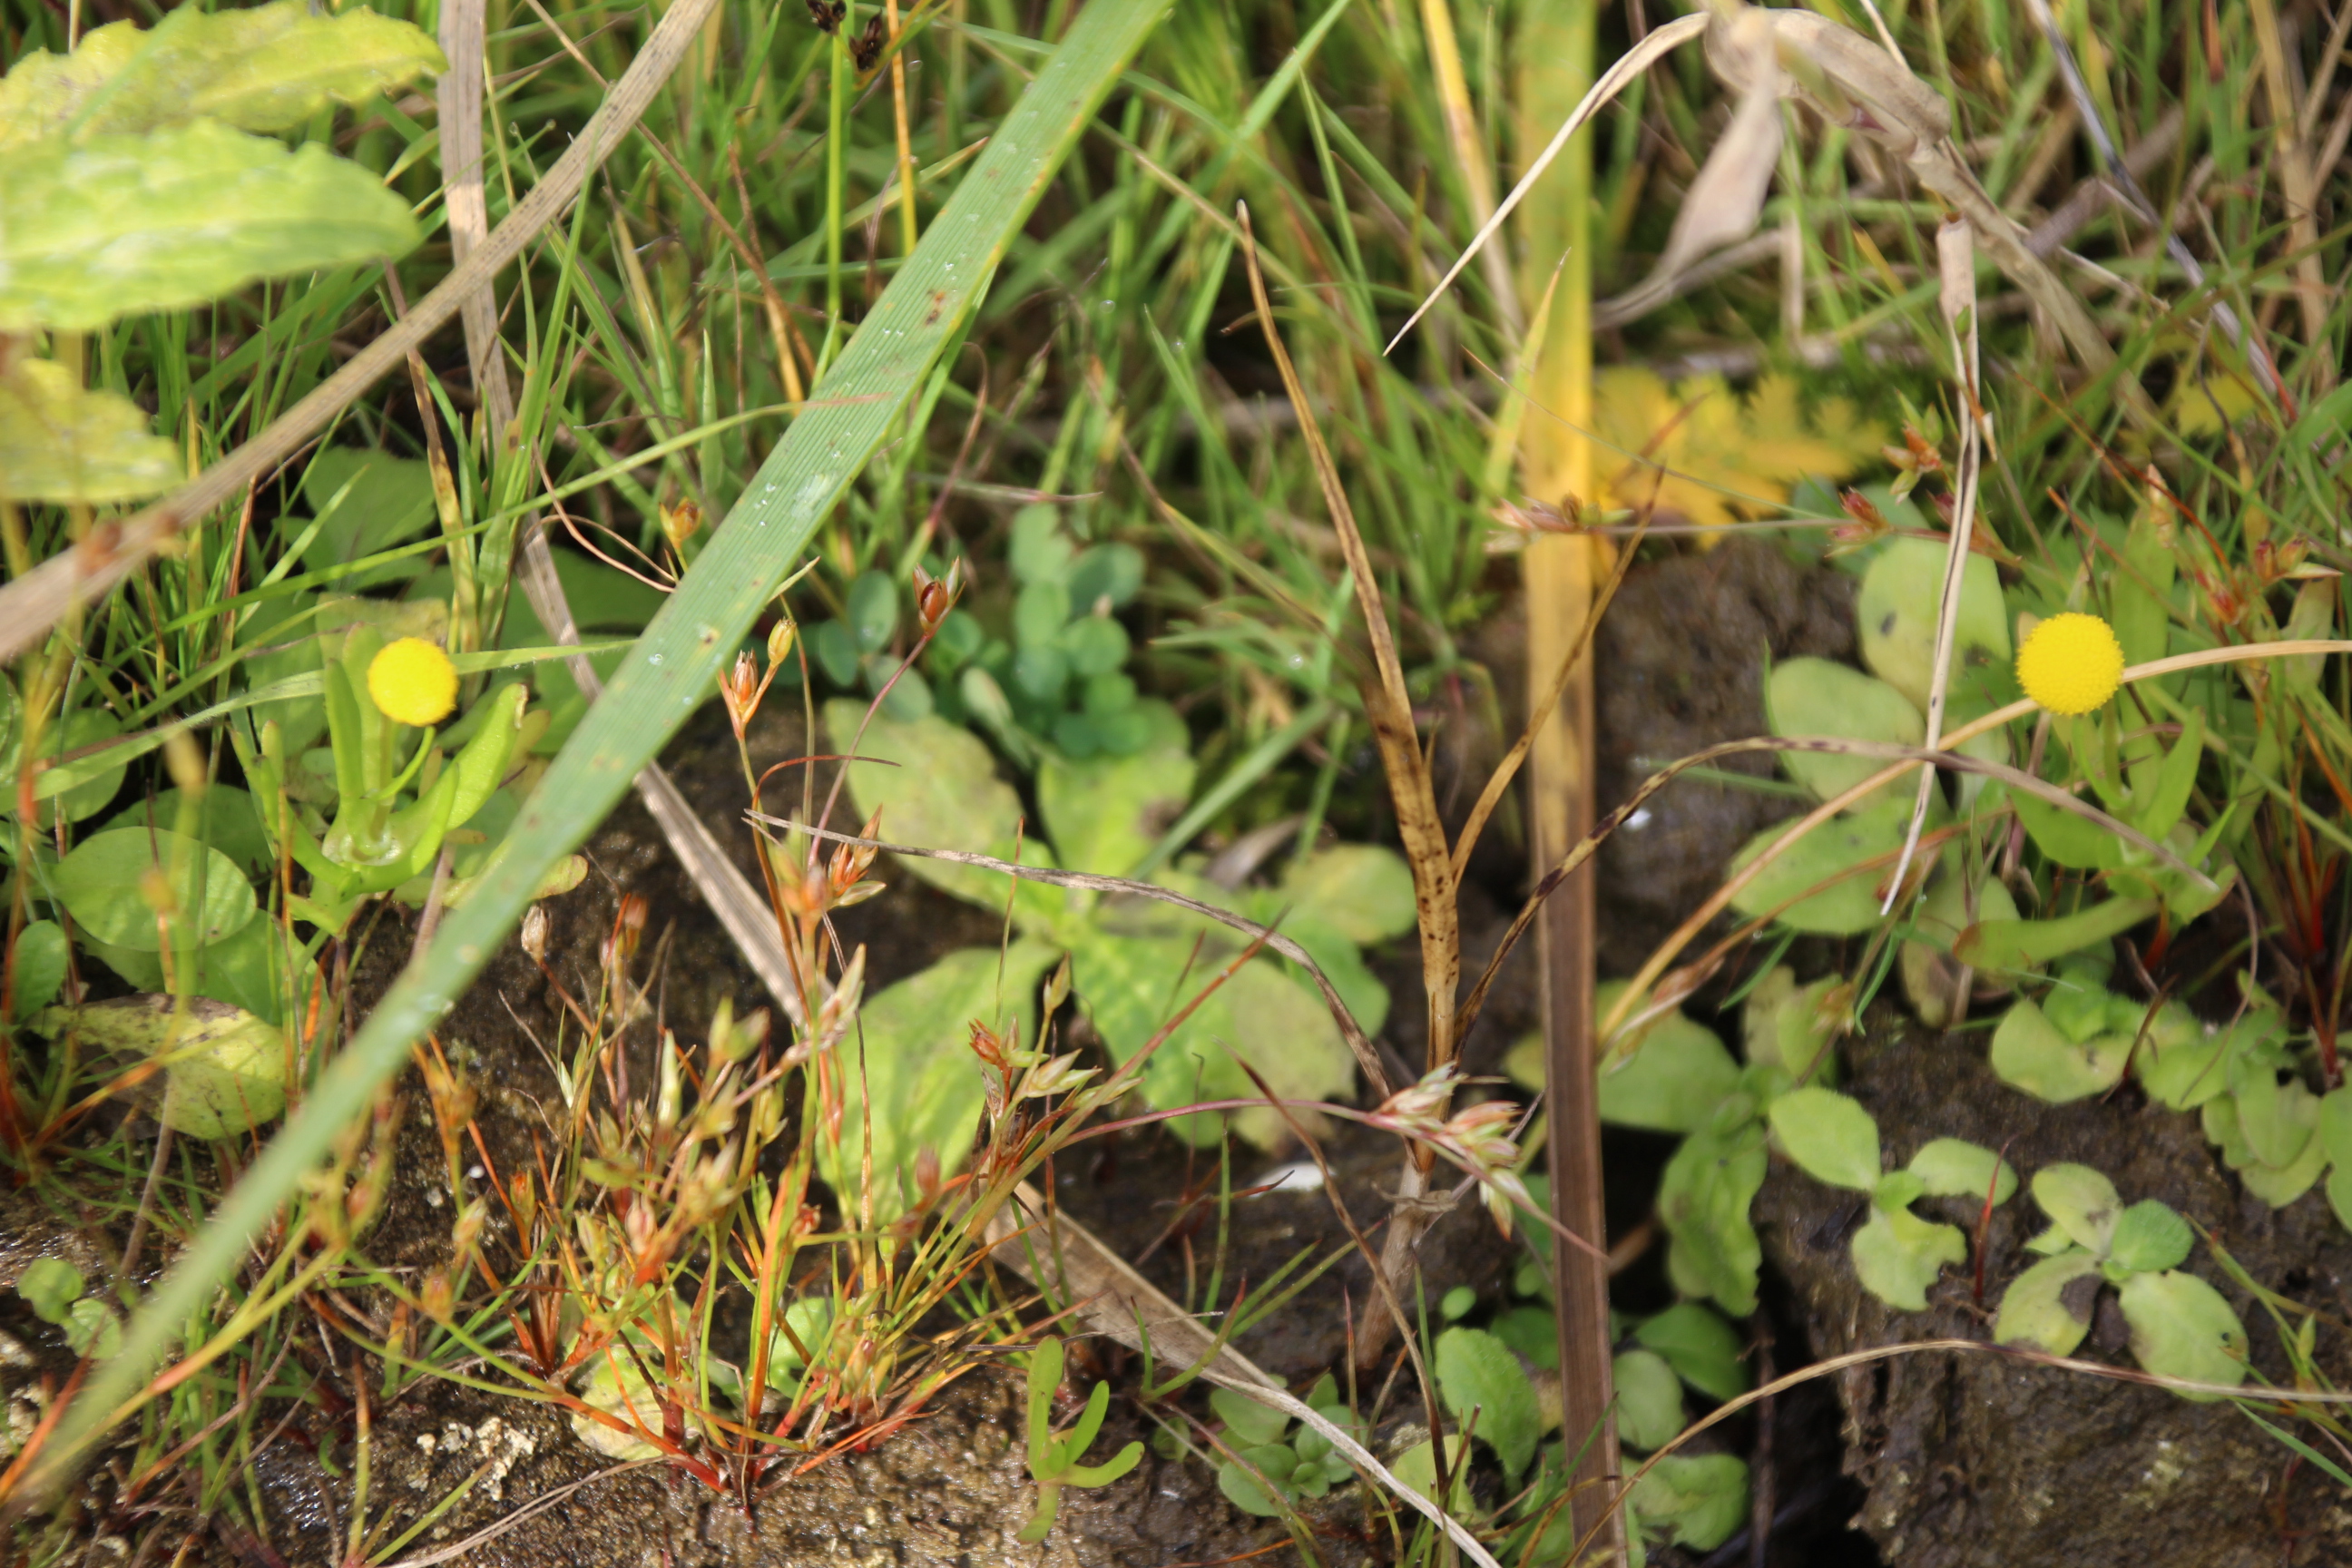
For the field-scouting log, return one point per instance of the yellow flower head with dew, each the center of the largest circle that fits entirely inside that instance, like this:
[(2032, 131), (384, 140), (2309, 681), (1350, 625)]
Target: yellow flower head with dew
[(413, 682), (2070, 664)]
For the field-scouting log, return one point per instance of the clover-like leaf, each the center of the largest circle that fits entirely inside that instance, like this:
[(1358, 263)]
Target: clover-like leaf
[(2082, 1203), (62, 442), (2183, 1327), (114, 224), (1816, 697), (1649, 1400), (1829, 1136), (1674, 1078), (2033, 1055), (50, 1286), (2049, 1305), (1700, 1346), (1694, 1500), (1955, 1168), (1897, 1255), (2149, 1237), (1476, 1370)]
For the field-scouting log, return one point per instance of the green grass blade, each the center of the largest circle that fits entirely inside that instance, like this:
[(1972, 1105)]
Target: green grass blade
[(673, 669)]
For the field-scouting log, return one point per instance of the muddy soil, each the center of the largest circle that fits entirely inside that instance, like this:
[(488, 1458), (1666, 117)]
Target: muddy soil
[(1974, 1461)]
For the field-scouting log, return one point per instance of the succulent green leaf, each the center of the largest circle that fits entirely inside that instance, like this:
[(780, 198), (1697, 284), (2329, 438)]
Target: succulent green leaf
[(1693, 1501), (225, 1069), (1789, 1026), (1676, 1075), (2149, 1236), (1649, 1400), (1130, 987), (2279, 1185), (2335, 1125), (1812, 697), (1897, 1255), (1417, 1467), (229, 821), (117, 225), (1955, 901), (2080, 1202), (1701, 1348), (40, 961), (102, 884), (2031, 1054), (63, 443), (1106, 812), (1703, 1201), (2181, 1327), (2181, 1062), (2340, 1194), (942, 793), (1045, 1375), (2049, 1305), (1273, 1462), (2276, 1118), (1898, 1190), (1364, 891), (2010, 947), (2067, 838), (1849, 905), (268, 67), (1955, 1168), (914, 1079), (1829, 1136), (1896, 611), (1476, 1370), (1250, 1423), (50, 1286)]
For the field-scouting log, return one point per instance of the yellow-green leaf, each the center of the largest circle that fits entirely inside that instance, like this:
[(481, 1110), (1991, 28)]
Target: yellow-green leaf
[(62, 442), (268, 68), (102, 228), (225, 1069)]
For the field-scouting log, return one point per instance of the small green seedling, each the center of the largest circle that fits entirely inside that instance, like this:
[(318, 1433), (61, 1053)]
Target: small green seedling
[(1303, 1464), (1054, 1462), (53, 1289), (2180, 1326), (1897, 1255)]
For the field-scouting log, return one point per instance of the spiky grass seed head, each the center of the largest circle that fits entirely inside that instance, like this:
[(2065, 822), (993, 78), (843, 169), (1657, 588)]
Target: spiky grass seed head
[(413, 682), (2070, 664)]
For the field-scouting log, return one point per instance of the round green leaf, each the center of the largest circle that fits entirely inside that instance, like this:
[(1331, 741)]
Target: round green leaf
[(2149, 1237), (2082, 1203), (1112, 571), (225, 1068), (1040, 551), (1095, 645), (1694, 1500), (2033, 1055), (40, 967), (1898, 607), (1701, 1348), (2181, 1327), (1814, 697), (1849, 906), (1362, 890), (2049, 1305), (1649, 1400), (1897, 1255), (50, 1286), (1829, 1136), (873, 611), (100, 883), (229, 822)]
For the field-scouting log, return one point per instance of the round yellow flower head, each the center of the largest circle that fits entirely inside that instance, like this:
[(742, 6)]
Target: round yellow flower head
[(413, 682), (2070, 664)]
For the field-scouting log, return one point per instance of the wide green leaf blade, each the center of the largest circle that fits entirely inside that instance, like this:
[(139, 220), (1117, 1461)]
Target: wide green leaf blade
[(114, 225), (673, 665)]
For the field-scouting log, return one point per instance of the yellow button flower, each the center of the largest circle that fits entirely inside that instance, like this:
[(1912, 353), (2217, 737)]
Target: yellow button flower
[(2070, 664), (413, 682)]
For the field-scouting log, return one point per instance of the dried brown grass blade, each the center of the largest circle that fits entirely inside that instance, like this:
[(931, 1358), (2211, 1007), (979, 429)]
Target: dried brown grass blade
[(34, 602)]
